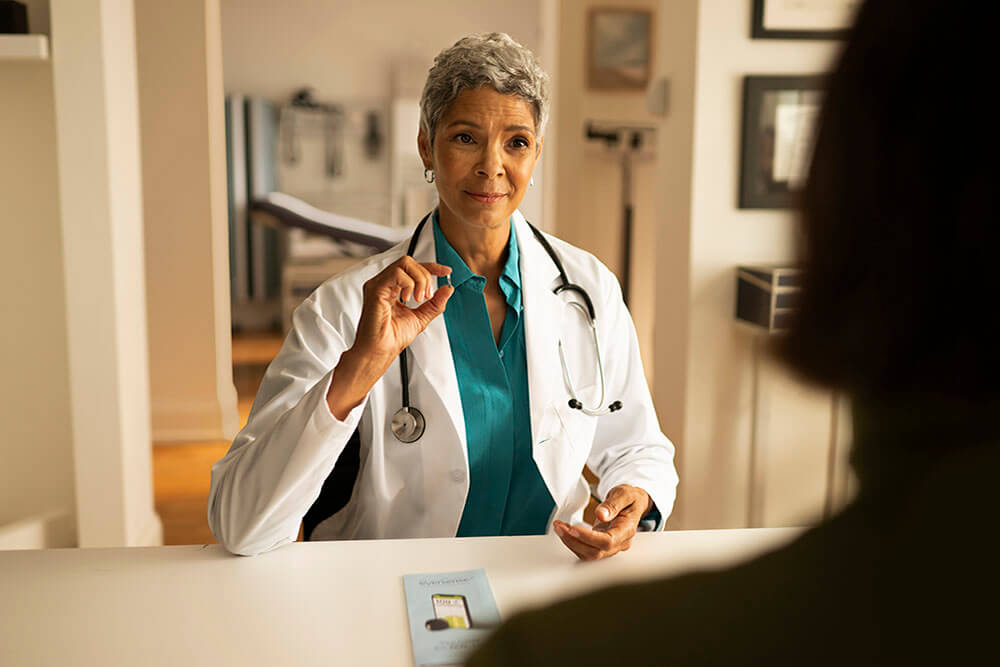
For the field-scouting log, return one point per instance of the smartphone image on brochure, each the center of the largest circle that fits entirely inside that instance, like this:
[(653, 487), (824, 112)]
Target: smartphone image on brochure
[(453, 609)]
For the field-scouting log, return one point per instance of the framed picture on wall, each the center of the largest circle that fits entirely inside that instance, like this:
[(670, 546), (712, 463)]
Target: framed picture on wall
[(803, 19), (619, 48), (779, 120)]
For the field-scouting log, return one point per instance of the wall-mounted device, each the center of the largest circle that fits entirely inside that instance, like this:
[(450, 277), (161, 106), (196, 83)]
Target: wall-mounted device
[(304, 111), (628, 143), (13, 18), (766, 295)]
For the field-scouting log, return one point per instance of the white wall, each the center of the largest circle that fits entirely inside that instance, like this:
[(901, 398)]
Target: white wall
[(347, 50), (36, 457), (705, 364), (588, 193)]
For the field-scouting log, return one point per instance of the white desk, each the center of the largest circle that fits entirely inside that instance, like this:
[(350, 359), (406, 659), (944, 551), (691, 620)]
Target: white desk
[(322, 603)]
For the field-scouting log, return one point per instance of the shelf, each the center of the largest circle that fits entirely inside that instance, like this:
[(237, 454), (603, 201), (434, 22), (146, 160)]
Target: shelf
[(24, 47)]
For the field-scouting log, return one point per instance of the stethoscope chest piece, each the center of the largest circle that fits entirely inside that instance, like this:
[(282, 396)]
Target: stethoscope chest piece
[(408, 424)]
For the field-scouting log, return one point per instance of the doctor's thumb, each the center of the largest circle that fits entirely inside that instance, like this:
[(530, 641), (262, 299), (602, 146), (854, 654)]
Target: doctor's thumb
[(606, 511), (613, 504), (434, 306)]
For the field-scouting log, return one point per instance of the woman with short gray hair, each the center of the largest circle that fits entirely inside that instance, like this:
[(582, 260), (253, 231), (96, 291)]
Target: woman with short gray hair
[(457, 384), (494, 60)]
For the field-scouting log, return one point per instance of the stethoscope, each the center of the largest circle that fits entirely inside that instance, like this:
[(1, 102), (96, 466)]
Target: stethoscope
[(408, 424)]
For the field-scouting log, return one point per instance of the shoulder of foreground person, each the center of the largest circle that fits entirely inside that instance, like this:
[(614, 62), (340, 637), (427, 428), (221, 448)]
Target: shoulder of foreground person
[(779, 607)]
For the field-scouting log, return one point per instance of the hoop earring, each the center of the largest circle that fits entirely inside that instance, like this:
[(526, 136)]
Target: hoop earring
[(531, 182), (429, 175)]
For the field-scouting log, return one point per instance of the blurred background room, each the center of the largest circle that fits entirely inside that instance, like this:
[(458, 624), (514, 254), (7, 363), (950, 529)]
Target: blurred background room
[(176, 177)]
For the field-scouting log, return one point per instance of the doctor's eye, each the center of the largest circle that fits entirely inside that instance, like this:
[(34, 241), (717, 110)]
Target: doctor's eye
[(464, 138), (520, 142)]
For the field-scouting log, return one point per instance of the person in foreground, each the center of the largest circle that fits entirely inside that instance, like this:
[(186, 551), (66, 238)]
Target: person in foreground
[(899, 238), (457, 369)]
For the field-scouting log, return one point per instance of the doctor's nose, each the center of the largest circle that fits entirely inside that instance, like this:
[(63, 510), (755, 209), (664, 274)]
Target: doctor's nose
[(491, 165)]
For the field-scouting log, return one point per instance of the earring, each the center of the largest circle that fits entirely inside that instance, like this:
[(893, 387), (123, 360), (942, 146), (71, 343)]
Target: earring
[(531, 182), (429, 175)]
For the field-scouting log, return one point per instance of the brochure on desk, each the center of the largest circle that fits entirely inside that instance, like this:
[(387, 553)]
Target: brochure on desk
[(451, 613)]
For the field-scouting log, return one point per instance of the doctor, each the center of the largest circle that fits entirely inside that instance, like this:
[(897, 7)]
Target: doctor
[(510, 392)]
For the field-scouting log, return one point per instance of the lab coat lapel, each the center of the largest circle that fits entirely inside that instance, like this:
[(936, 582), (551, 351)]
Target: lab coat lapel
[(431, 351), (541, 325)]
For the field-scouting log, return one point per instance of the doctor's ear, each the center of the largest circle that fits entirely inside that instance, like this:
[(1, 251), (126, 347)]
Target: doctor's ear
[(424, 147)]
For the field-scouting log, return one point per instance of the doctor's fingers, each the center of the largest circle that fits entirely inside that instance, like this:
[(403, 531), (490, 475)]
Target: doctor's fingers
[(407, 279), (608, 535), (582, 549), (396, 282), (424, 276), (429, 273)]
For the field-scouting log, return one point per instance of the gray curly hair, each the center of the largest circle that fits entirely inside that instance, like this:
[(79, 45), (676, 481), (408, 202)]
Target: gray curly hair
[(484, 59)]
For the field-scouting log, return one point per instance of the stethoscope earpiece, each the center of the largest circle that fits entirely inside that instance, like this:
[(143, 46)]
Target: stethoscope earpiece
[(577, 405)]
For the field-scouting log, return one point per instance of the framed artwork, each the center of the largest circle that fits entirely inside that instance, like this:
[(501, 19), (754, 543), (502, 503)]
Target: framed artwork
[(619, 48), (803, 19), (779, 120)]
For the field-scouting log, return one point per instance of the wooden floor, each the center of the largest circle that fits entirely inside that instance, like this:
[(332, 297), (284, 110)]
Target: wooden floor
[(181, 475), (182, 471)]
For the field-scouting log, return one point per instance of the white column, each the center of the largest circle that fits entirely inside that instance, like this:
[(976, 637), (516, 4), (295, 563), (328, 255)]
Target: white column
[(182, 124), (674, 53), (97, 128)]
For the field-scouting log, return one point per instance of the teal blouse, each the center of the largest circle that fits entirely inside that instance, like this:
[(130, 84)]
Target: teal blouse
[(507, 495)]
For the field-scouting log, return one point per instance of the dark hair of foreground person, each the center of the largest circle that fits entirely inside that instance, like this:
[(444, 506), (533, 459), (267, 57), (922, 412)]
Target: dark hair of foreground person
[(899, 233)]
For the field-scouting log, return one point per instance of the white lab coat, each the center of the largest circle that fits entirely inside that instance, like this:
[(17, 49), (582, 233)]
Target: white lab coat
[(277, 465)]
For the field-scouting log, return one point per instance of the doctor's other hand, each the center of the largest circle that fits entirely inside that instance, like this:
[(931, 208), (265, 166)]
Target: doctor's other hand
[(617, 521), (387, 326)]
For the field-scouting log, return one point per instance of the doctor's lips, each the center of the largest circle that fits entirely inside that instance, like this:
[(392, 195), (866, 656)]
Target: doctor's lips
[(486, 197)]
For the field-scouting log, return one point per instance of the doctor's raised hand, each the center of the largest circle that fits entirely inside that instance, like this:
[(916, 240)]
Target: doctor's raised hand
[(386, 327)]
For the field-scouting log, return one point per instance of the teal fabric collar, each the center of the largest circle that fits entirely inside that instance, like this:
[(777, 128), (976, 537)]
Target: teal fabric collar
[(460, 272), (510, 277), (510, 269)]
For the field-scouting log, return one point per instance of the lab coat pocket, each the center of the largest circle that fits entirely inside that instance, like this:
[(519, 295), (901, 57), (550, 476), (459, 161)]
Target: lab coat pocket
[(561, 448), (551, 427), (579, 427)]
